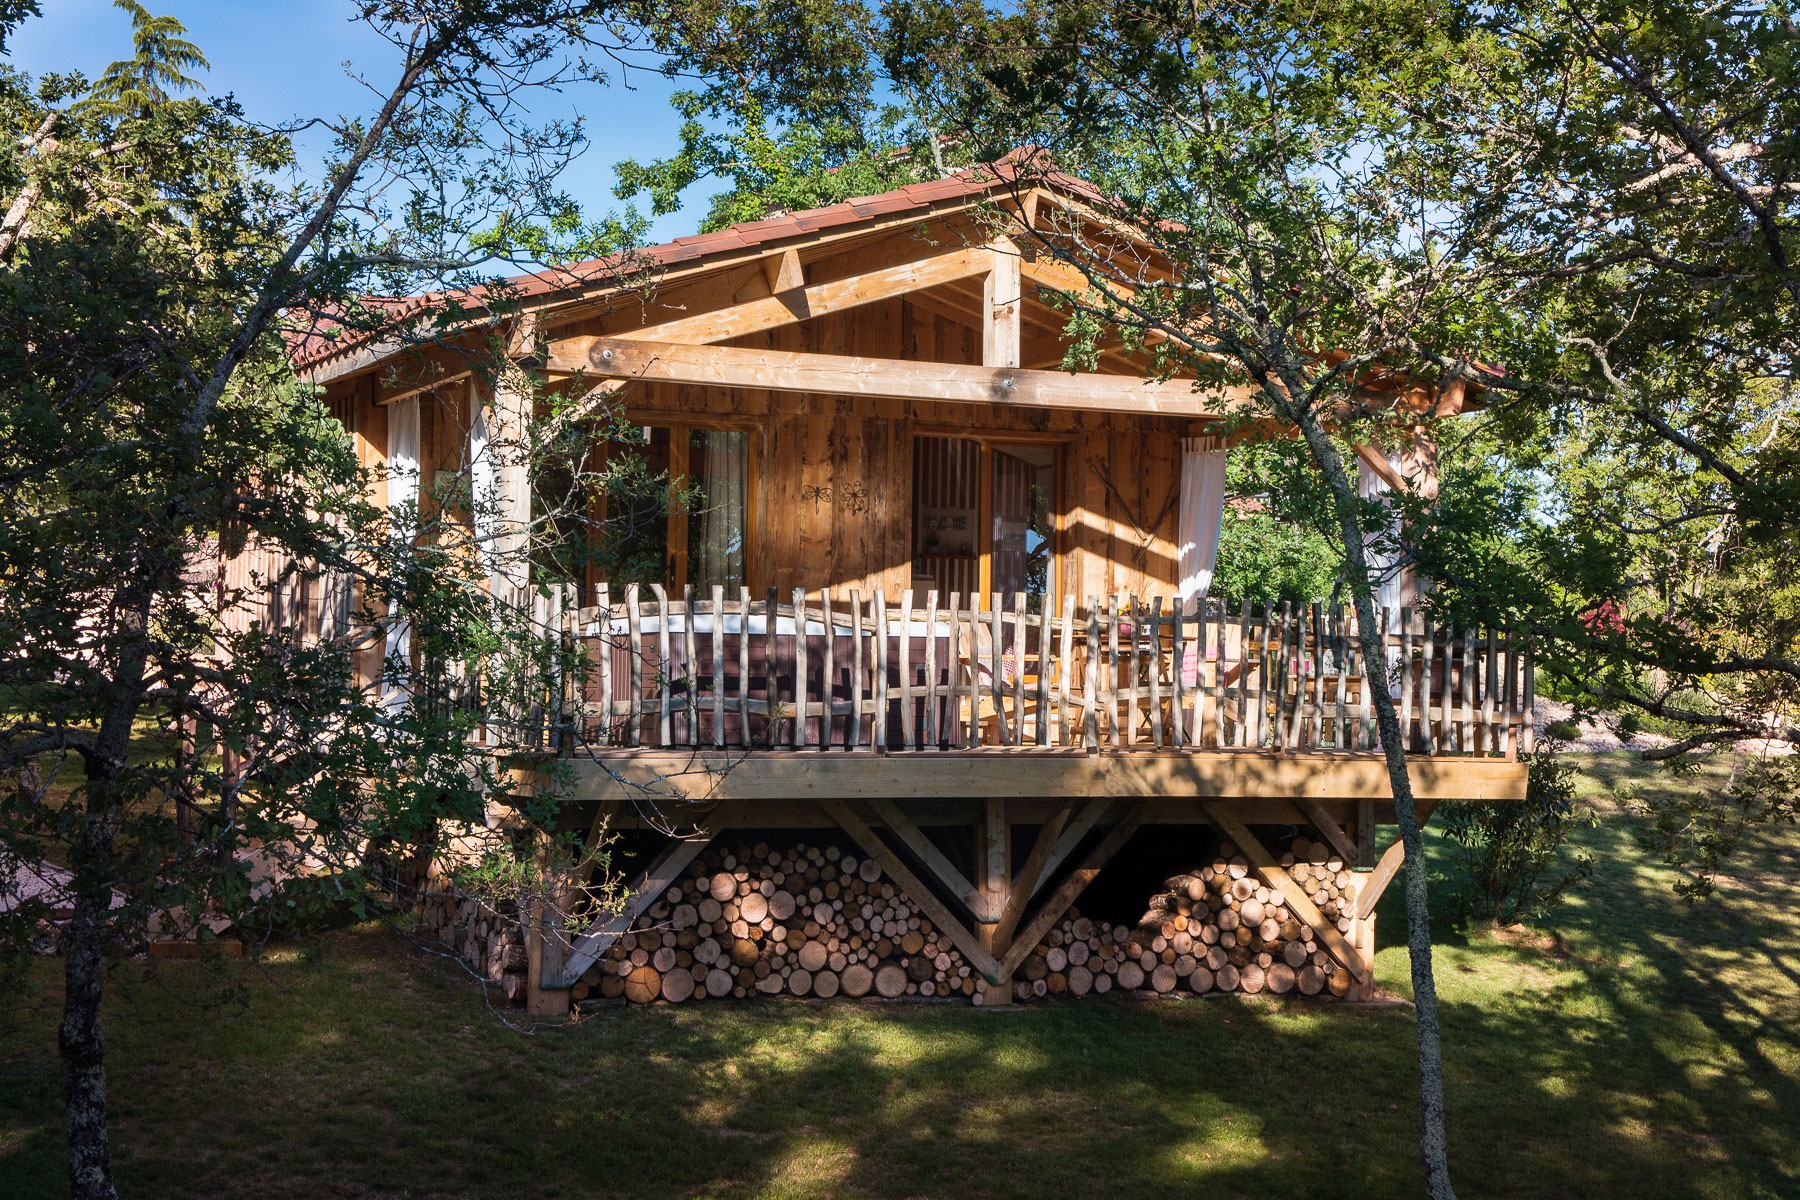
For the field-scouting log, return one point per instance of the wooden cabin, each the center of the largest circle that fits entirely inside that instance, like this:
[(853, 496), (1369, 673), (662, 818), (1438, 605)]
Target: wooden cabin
[(930, 610)]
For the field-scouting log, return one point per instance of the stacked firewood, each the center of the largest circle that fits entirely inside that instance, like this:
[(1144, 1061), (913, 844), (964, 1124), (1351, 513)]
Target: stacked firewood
[(491, 940), (804, 920), (811, 920), (1216, 928)]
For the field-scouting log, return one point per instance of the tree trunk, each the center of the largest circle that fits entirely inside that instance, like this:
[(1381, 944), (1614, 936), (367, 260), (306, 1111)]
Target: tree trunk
[(79, 1040), (1433, 1141)]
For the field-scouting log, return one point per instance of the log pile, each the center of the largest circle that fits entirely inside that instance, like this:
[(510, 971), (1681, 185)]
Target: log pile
[(1216, 928), (490, 940), (804, 920), (815, 920)]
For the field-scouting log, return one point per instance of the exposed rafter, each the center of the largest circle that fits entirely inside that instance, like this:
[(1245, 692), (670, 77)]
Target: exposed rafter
[(789, 306)]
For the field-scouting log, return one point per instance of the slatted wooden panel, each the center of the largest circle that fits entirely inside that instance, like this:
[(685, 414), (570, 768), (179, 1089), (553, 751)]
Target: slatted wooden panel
[(820, 671)]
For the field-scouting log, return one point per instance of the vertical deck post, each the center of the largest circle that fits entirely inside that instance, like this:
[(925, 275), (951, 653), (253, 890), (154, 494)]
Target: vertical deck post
[(878, 660), (930, 735), (995, 849), (853, 734), (800, 666), (718, 663), (743, 701), (772, 666), (828, 685), (1063, 737)]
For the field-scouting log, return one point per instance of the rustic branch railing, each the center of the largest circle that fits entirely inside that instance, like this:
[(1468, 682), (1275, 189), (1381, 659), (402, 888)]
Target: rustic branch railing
[(841, 673)]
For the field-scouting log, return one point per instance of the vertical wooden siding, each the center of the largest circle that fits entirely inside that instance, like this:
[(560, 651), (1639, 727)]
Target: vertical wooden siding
[(834, 480)]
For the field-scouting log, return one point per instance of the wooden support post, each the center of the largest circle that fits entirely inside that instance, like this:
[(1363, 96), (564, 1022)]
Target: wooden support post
[(546, 988), (1365, 833), (1325, 931), (1000, 321), (1025, 883), (1058, 901), (995, 853), (1364, 934)]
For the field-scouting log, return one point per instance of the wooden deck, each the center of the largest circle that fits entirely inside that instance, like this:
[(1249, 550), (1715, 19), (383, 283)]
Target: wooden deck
[(884, 721), (780, 788)]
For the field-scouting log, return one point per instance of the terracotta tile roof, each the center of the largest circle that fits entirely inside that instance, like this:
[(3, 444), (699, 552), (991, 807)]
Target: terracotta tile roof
[(330, 335)]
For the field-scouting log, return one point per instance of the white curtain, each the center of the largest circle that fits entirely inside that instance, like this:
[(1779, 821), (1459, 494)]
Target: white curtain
[(484, 480), (403, 499), (1202, 508), (1391, 580), (719, 464), (1197, 522)]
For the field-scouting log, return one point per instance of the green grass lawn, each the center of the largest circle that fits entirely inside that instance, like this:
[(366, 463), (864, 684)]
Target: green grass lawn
[(1633, 1047)]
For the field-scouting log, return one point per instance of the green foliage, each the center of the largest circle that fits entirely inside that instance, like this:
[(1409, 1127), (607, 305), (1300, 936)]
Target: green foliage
[(1267, 561), (786, 121), (1508, 847), (162, 62)]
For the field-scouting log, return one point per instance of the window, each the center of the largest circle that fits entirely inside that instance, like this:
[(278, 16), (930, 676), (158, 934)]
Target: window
[(984, 517), (678, 511), (1024, 491)]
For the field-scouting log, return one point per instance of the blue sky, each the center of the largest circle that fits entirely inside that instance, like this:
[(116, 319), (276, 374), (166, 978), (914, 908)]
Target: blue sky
[(286, 59)]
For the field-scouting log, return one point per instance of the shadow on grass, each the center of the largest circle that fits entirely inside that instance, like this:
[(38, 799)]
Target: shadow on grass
[(1649, 1050)]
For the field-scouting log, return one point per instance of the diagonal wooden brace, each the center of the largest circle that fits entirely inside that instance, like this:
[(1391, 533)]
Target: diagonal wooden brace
[(597, 938), (1324, 932), (1095, 812), (1058, 901), (1370, 889), (1315, 812), (1025, 882), (846, 819), (914, 839)]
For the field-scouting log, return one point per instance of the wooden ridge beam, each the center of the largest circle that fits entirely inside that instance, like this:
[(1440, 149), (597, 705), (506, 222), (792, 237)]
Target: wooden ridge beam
[(1324, 931), (1058, 901), (922, 899), (783, 271), (834, 374), (598, 937)]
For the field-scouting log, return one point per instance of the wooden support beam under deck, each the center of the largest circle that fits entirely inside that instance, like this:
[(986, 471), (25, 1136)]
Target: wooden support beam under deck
[(1031, 774), (922, 899), (901, 379), (598, 937), (1265, 864)]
